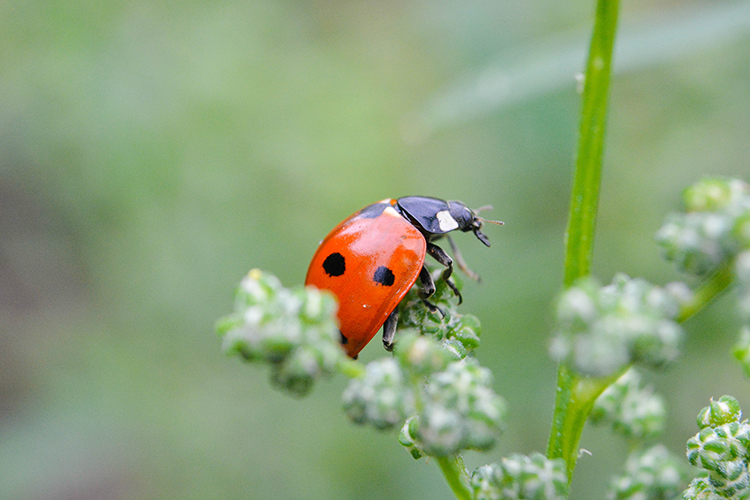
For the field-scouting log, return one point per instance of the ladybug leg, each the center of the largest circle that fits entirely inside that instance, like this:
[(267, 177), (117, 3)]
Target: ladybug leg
[(427, 290), (389, 329), (439, 255), (460, 262)]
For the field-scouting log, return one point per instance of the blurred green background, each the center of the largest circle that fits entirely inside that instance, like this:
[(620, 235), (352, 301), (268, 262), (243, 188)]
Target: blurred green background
[(152, 152)]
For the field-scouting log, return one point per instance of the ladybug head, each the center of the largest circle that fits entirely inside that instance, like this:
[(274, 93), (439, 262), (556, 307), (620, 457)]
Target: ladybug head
[(468, 220)]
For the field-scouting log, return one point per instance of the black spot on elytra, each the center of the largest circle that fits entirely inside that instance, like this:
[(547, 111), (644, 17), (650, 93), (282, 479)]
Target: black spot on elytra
[(334, 265), (344, 340), (383, 276)]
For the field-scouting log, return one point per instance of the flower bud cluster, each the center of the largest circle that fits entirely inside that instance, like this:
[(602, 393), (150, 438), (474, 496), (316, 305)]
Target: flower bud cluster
[(381, 397), (714, 227), (722, 448), (294, 330), (649, 473), (448, 403), (459, 410), (632, 409), (460, 331), (603, 329), (520, 477)]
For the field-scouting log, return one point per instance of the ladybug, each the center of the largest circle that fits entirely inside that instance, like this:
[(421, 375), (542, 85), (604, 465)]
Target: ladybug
[(371, 260)]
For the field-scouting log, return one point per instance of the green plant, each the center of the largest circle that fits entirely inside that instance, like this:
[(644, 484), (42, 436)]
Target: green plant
[(442, 400)]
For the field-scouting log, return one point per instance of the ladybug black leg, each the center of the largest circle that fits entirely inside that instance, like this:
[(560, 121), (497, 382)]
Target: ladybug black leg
[(389, 329), (439, 255), (460, 262), (427, 290)]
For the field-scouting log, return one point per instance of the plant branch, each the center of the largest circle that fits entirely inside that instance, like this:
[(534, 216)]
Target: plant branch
[(456, 475), (708, 290)]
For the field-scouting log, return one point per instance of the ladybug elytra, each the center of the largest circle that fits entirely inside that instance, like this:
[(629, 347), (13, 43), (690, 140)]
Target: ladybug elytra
[(371, 260)]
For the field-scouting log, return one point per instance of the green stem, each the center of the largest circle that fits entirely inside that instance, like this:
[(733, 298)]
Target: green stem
[(575, 394), (584, 201), (575, 398), (709, 290), (456, 475)]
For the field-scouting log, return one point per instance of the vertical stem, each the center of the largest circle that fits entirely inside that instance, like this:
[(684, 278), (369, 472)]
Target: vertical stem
[(584, 201), (576, 394)]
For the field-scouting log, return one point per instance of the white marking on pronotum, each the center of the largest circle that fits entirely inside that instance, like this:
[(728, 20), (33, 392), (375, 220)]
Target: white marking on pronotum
[(391, 211), (446, 222)]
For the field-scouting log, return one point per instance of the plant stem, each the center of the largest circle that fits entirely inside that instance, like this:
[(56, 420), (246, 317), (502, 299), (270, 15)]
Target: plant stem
[(456, 475), (709, 289), (576, 394), (584, 201), (575, 398)]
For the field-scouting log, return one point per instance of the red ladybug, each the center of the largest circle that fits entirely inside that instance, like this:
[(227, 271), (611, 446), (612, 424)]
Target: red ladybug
[(372, 259)]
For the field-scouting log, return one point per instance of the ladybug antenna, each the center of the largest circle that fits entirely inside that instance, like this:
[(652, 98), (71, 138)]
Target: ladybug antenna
[(498, 222), (482, 209)]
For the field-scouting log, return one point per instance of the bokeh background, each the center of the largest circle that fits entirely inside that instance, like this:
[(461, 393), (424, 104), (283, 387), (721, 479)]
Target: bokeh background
[(152, 152)]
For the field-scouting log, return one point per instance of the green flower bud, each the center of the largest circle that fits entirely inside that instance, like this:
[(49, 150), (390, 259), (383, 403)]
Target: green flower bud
[(380, 397), (722, 448), (519, 477), (298, 371), (447, 326), (701, 489), (294, 330), (486, 483), (406, 439), (459, 410), (733, 479), (693, 240), (422, 355), (713, 446), (602, 329), (714, 194), (715, 227), (651, 473), (724, 411), (633, 410)]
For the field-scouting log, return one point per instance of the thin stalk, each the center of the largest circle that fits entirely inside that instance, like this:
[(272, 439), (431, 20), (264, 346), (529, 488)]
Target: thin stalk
[(575, 394), (456, 475), (584, 201), (713, 286)]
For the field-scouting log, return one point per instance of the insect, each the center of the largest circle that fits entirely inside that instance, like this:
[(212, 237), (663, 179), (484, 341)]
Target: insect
[(372, 259)]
